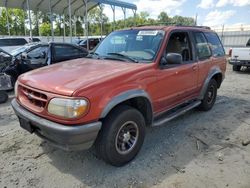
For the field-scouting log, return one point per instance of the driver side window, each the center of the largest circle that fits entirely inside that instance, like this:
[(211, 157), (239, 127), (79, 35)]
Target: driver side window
[(179, 43), (38, 53)]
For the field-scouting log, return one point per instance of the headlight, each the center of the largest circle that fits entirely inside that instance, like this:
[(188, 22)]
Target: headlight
[(16, 89), (67, 108)]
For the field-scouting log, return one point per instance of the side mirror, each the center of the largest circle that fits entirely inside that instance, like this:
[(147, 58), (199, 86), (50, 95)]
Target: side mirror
[(173, 58), (24, 55)]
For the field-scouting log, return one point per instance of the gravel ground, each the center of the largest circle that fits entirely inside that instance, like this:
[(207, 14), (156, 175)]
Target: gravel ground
[(198, 149)]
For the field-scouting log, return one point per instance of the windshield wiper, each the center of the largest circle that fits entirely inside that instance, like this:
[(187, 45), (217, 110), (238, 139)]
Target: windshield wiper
[(125, 56)]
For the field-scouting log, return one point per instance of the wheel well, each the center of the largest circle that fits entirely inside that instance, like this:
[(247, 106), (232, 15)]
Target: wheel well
[(218, 78), (142, 104)]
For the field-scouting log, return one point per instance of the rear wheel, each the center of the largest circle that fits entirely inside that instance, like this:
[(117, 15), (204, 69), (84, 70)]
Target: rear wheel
[(210, 96), (121, 136), (236, 67), (3, 97)]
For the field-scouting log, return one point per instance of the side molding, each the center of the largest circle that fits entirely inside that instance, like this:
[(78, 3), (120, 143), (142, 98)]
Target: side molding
[(213, 72), (123, 97)]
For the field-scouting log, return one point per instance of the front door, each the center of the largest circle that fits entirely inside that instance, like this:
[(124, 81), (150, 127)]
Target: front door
[(36, 58), (178, 83)]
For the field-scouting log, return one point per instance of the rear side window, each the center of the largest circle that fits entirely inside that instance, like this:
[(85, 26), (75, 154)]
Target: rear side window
[(12, 42), (202, 47), (215, 44)]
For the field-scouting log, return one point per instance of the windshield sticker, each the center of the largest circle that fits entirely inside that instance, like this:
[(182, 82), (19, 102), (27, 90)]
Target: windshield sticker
[(148, 33)]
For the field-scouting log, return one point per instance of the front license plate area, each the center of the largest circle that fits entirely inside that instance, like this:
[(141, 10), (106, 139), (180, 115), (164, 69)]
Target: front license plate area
[(26, 125)]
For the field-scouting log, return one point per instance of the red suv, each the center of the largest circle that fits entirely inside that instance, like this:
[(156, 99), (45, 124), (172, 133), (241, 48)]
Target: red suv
[(143, 76)]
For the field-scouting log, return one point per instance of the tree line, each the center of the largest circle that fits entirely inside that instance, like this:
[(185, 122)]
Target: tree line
[(41, 25)]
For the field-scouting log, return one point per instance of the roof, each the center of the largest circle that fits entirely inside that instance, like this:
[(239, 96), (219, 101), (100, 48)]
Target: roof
[(61, 6), (166, 27)]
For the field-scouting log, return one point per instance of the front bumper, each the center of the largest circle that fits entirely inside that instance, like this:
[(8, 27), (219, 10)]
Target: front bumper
[(239, 63), (65, 137)]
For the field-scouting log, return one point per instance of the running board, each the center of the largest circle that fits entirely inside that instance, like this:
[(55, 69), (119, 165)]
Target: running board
[(176, 113)]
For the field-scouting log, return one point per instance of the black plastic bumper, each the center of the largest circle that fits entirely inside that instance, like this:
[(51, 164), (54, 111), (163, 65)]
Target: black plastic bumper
[(64, 137), (240, 63)]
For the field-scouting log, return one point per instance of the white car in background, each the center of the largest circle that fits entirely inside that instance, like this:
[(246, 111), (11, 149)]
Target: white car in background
[(10, 44), (240, 57)]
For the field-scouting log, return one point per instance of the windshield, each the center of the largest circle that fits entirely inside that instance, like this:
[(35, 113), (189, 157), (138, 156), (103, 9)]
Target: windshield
[(20, 50), (141, 45)]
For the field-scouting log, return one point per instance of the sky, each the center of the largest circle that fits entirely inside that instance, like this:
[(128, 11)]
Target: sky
[(210, 12)]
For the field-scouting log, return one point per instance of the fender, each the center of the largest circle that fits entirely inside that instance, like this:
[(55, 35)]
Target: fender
[(213, 71), (126, 96)]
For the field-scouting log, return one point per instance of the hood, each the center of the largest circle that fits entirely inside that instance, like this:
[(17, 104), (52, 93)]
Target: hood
[(65, 78)]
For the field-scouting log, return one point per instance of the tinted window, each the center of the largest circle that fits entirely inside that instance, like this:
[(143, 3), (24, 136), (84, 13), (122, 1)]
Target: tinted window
[(202, 47), (12, 42), (215, 44), (179, 43), (68, 52)]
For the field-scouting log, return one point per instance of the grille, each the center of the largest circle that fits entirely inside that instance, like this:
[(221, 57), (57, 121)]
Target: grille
[(35, 98)]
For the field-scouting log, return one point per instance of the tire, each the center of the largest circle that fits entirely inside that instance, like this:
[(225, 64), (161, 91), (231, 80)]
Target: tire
[(112, 141), (3, 97), (236, 67), (210, 96)]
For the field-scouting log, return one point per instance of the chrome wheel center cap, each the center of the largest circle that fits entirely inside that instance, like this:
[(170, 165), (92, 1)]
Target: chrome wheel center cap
[(126, 137)]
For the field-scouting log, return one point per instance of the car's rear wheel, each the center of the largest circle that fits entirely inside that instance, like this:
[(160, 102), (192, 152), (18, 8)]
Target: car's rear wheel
[(210, 96), (236, 67), (121, 136), (3, 97)]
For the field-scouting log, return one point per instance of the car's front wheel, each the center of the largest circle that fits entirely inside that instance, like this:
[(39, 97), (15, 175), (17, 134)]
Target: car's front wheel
[(121, 136), (3, 97), (236, 67)]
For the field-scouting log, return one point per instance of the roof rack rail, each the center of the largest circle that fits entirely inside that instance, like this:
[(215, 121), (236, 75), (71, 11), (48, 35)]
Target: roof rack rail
[(173, 24)]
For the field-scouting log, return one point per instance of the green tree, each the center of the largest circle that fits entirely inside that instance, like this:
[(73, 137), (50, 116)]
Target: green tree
[(45, 29), (164, 18)]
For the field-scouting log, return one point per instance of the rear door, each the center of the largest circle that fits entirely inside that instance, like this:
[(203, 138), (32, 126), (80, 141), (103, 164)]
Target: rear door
[(203, 56)]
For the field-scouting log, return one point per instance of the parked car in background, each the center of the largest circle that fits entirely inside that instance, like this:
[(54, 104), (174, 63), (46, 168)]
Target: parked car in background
[(9, 44), (93, 42), (36, 55), (138, 77), (240, 57), (5, 59), (5, 84), (248, 43)]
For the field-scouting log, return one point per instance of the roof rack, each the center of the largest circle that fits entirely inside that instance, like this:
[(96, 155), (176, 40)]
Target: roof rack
[(173, 24)]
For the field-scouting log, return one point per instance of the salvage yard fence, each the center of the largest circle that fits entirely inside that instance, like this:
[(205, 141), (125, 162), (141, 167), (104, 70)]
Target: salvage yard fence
[(233, 37)]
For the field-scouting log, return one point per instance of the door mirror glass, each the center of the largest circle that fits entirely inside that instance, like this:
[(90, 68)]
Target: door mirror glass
[(173, 58)]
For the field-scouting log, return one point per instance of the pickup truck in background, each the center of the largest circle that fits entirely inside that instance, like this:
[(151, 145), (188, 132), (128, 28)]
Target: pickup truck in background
[(240, 57)]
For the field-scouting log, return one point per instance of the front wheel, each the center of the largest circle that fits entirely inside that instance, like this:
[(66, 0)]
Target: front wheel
[(121, 136), (209, 97), (3, 97), (236, 67)]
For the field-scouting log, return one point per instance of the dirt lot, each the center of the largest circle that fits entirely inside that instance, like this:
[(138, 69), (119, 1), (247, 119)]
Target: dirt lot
[(199, 149)]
